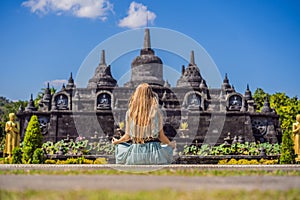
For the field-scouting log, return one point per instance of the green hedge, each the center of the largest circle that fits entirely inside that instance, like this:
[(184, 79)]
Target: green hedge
[(33, 139)]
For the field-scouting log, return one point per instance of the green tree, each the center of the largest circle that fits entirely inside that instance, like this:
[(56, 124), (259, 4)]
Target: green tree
[(38, 156), (259, 97), (17, 156), (287, 108), (287, 149), (33, 139)]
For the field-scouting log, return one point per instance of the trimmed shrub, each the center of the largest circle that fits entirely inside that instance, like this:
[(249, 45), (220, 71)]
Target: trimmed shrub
[(61, 162), (32, 140), (268, 162), (100, 161), (49, 161), (88, 161), (80, 160), (247, 162), (17, 156), (287, 149), (7, 160), (38, 156)]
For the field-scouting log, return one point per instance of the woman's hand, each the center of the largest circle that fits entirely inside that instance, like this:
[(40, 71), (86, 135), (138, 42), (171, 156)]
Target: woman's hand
[(172, 144), (114, 141)]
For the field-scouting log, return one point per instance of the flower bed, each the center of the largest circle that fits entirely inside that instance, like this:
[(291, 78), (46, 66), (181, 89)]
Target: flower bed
[(195, 159)]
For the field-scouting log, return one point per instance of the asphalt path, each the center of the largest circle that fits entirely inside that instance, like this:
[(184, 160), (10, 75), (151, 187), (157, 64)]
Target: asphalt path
[(144, 182), (133, 182)]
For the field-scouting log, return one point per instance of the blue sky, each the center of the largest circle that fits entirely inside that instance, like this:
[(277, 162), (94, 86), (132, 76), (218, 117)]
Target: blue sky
[(254, 41)]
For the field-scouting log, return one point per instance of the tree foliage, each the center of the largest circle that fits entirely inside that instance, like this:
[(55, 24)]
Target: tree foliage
[(287, 149), (17, 156), (287, 108), (38, 156), (33, 139)]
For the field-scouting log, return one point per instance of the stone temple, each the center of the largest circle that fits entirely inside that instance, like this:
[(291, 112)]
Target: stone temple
[(211, 113)]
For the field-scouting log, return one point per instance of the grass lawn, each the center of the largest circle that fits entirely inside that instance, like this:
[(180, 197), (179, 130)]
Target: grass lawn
[(161, 172), (164, 194)]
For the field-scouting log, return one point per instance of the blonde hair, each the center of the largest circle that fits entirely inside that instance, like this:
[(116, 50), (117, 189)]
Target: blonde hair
[(143, 107)]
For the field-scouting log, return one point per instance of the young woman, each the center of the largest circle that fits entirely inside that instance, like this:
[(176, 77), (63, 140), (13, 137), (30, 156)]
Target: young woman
[(144, 127)]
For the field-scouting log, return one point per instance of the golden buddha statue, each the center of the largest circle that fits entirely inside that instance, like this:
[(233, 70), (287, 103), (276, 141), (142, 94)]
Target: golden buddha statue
[(12, 140), (296, 136)]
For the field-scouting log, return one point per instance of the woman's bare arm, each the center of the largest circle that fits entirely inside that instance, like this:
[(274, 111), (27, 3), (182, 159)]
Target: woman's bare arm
[(164, 139), (124, 138)]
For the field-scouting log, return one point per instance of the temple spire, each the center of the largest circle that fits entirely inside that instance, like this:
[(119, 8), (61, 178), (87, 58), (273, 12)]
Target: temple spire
[(102, 61), (47, 90), (226, 84), (266, 108), (182, 69), (70, 83), (71, 80), (248, 94), (30, 105), (226, 78), (192, 58), (147, 43)]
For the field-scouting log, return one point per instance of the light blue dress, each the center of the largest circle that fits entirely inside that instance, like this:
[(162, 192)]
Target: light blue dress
[(149, 153)]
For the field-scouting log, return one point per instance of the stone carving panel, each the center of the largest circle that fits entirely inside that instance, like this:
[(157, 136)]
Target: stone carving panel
[(235, 102), (44, 124), (194, 101), (103, 101), (62, 102), (259, 128)]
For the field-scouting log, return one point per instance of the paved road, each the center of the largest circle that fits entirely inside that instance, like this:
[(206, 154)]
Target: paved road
[(146, 182), (143, 182)]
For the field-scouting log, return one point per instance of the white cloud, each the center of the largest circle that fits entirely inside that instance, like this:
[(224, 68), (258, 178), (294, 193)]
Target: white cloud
[(95, 9), (137, 16), (56, 83)]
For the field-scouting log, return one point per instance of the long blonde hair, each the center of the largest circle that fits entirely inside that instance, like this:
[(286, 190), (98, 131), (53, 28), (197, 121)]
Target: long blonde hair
[(143, 107)]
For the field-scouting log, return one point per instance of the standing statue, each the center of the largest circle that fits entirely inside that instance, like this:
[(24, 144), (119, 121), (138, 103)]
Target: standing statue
[(296, 136), (12, 140)]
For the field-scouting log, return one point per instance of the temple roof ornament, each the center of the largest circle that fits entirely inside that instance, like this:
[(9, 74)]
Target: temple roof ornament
[(182, 69), (248, 94), (147, 55), (266, 108), (30, 106), (102, 76), (147, 67), (47, 93), (70, 83), (226, 85), (191, 76)]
